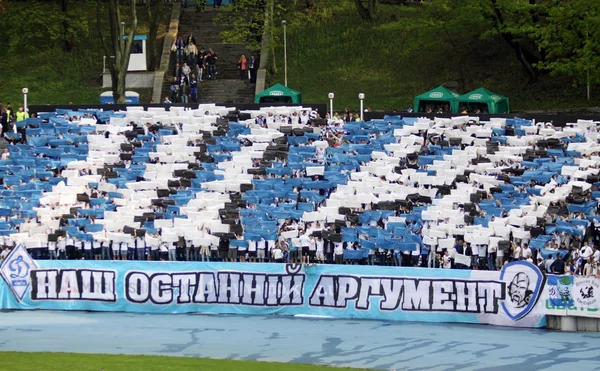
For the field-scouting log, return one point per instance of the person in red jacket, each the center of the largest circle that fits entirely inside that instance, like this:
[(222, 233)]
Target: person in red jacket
[(243, 67)]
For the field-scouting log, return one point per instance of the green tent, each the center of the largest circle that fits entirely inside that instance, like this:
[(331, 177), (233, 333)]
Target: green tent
[(279, 94), (485, 101), (435, 98)]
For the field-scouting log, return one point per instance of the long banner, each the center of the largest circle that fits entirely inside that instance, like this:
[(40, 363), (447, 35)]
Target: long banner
[(573, 296), (507, 298)]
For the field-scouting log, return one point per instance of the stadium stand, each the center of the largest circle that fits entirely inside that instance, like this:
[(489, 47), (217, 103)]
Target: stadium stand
[(276, 185)]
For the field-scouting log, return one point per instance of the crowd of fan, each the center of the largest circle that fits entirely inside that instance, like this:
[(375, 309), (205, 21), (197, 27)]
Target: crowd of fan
[(194, 65), (297, 240)]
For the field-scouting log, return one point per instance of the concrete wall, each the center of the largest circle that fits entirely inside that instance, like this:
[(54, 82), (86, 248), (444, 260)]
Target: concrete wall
[(133, 80), (166, 52), (571, 323)]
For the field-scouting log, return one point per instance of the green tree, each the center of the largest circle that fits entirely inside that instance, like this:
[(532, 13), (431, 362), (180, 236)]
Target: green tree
[(154, 14), (117, 45), (570, 38), (26, 28)]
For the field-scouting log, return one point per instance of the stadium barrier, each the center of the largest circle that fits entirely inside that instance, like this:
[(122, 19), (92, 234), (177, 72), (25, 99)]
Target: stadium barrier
[(508, 297)]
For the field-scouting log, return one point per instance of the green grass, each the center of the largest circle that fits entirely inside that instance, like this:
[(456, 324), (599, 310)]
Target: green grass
[(330, 49), (54, 76), (17, 361)]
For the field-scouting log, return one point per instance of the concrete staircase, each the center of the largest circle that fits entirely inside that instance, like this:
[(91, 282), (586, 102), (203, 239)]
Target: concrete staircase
[(228, 87)]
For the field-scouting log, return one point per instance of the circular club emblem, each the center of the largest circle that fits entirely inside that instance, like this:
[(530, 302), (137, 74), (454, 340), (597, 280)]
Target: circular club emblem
[(436, 95), (585, 292)]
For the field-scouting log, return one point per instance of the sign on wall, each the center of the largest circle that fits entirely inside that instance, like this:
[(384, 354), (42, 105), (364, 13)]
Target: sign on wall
[(507, 298), (573, 296)]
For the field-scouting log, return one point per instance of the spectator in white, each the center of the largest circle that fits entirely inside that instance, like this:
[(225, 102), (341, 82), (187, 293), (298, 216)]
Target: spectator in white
[(446, 261), (596, 253), (277, 253), (87, 249), (499, 258), (204, 252), (52, 250), (475, 256), (338, 252), (61, 245), (5, 154), (152, 241), (304, 243), (522, 252), (586, 252), (261, 246), (124, 249), (214, 251), (320, 258), (171, 250), (312, 249), (252, 254), (591, 268), (140, 247), (165, 250)]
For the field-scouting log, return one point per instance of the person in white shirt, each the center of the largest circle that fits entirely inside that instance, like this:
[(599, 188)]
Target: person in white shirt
[(338, 252), (261, 247), (596, 254), (277, 254), (446, 261), (61, 245), (304, 243), (586, 252), (124, 245), (164, 250), (312, 249), (87, 249), (591, 268), (320, 253), (204, 252), (172, 251), (153, 242), (52, 250), (414, 255), (140, 247)]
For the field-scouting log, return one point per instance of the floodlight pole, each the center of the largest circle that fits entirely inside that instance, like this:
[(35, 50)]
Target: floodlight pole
[(25, 91), (331, 96), (284, 23), (361, 96)]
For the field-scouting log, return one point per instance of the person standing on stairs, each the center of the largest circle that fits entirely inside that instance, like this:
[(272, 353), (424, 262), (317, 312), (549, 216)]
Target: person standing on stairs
[(192, 51), (180, 45), (194, 88), (243, 67), (252, 67), (201, 63), (211, 63)]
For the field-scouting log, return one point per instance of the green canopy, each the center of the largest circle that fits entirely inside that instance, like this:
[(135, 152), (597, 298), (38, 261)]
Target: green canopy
[(436, 98), (278, 94), (484, 100)]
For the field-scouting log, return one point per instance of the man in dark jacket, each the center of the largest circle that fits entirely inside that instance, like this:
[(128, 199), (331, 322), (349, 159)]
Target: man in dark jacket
[(558, 267)]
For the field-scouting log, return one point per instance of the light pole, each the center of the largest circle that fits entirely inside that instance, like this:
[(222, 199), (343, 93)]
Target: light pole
[(284, 23), (331, 96), (25, 91), (361, 96)]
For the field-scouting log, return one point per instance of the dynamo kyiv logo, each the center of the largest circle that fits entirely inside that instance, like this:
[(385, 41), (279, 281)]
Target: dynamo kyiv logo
[(15, 271)]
